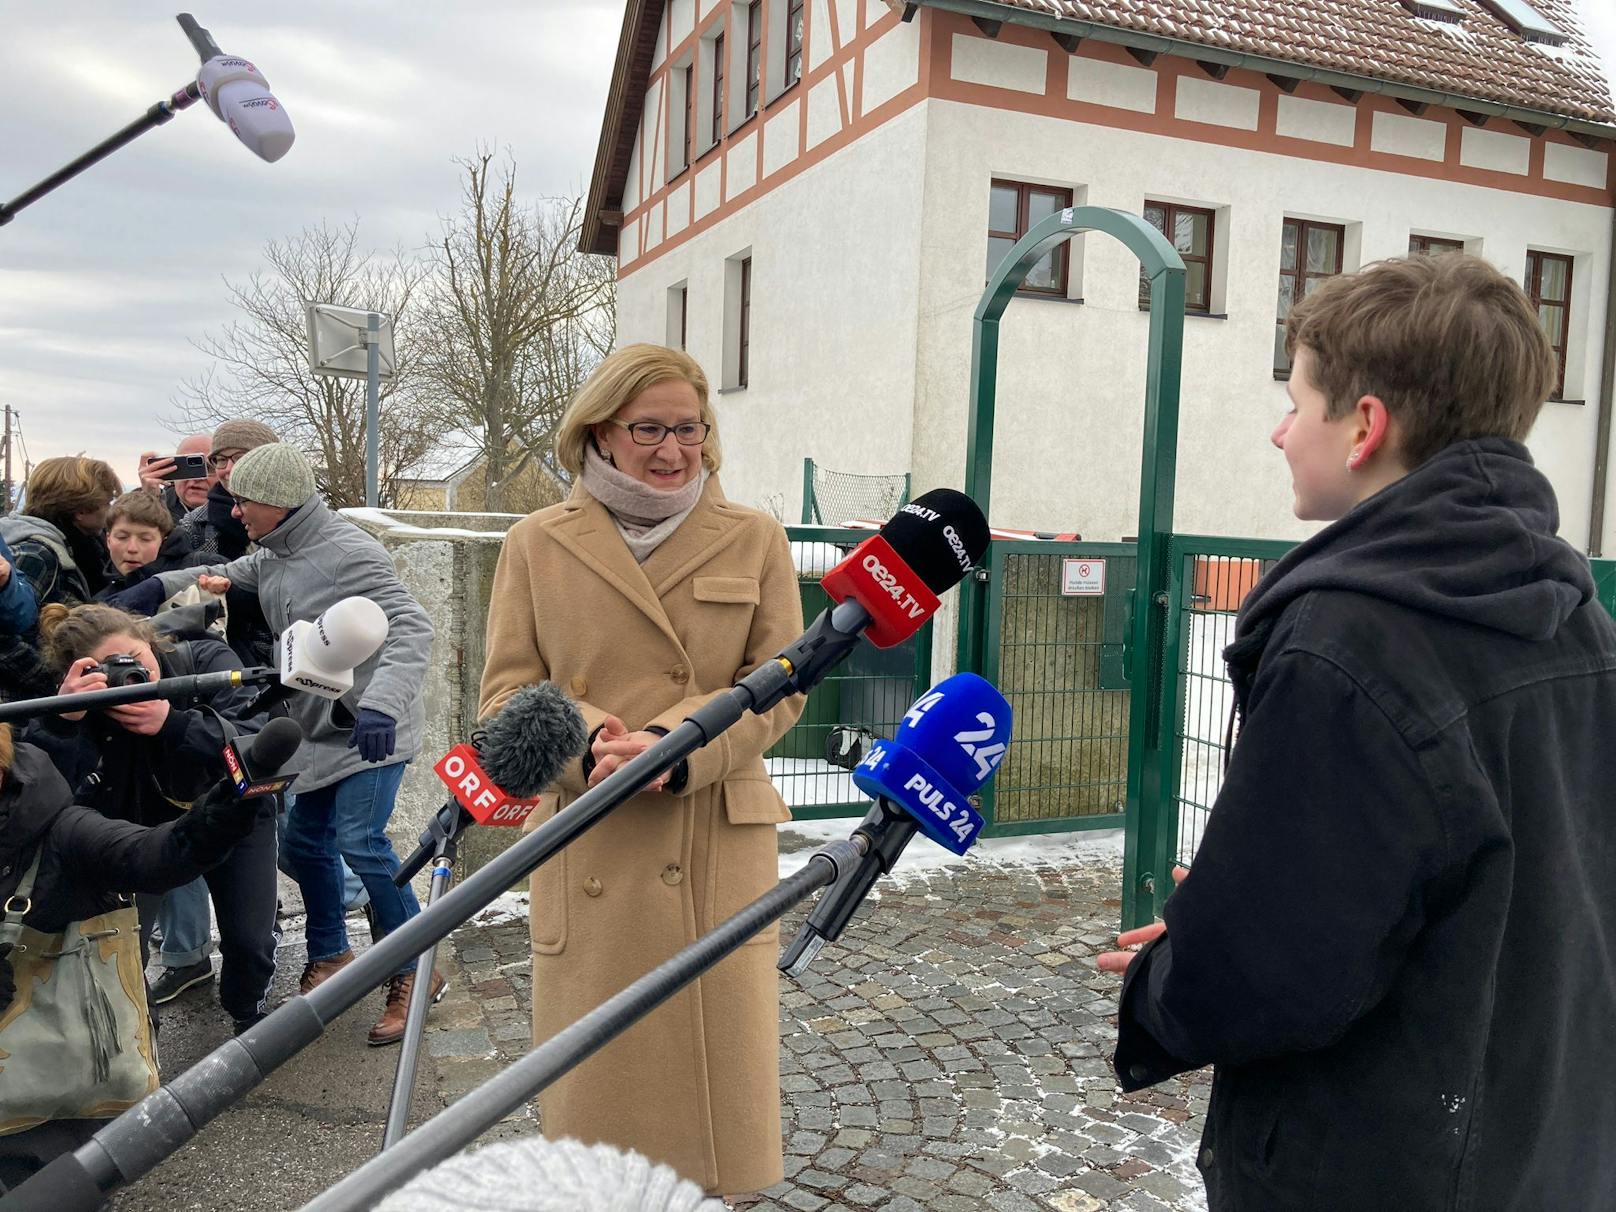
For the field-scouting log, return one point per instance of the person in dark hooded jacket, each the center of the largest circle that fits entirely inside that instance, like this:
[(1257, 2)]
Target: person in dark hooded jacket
[(1397, 941), (143, 541), (86, 862)]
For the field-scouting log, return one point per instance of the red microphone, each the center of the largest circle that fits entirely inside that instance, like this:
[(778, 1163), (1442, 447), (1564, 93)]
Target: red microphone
[(926, 548), (461, 770)]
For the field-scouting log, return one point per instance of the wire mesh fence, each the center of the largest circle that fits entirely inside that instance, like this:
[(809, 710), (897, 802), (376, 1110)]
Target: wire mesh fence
[(833, 498)]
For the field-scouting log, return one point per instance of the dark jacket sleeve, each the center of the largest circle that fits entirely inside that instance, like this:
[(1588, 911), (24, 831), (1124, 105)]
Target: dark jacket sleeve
[(1306, 890), (194, 736), (68, 744)]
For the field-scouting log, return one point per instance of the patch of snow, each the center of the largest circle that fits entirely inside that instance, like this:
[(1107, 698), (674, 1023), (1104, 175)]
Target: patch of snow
[(384, 520)]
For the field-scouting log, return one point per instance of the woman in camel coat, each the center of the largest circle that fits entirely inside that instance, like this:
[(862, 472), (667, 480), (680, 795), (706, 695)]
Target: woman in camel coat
[(644, 595)]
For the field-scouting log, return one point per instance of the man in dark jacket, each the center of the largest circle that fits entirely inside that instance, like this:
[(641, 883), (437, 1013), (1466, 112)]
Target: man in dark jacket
[(1397, 943)]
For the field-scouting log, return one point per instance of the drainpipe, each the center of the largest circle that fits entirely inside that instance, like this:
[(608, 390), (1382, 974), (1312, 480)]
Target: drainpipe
[(1607, 389)]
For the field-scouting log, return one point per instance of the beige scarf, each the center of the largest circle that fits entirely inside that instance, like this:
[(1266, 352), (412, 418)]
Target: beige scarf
[(645, 515)]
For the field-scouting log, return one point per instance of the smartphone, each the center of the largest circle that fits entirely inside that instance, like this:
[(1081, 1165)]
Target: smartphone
[(188, 467)]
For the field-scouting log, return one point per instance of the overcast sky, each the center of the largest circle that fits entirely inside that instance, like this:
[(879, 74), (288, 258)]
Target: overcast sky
[(104, 283)]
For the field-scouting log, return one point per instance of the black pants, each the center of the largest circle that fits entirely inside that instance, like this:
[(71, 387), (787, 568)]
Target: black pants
[(242, 889)]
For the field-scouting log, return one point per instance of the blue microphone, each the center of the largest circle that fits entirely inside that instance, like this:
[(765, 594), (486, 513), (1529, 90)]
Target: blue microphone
[(948, 745)]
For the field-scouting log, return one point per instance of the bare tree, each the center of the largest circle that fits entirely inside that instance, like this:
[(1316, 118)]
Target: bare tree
[(518, 317), (260, 362)]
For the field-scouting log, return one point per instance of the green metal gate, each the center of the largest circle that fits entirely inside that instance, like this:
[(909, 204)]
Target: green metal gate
[(1061, 659)]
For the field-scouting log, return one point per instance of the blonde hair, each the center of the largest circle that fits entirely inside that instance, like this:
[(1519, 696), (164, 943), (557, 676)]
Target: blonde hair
[(70, 484), (143, 508), (1452, 347), (69, 633), (621, 376)]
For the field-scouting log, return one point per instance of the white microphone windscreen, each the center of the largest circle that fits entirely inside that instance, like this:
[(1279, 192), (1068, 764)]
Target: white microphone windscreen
[(347, 634), (239, 94)]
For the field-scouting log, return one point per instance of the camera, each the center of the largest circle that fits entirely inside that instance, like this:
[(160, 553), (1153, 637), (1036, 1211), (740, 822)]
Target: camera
[(122, 670)]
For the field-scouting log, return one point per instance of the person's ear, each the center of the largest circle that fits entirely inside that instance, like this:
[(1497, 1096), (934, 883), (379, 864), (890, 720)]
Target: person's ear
[(1371, 430)]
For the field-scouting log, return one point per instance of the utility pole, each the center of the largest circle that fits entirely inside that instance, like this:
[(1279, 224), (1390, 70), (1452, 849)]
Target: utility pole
[(6, 492)]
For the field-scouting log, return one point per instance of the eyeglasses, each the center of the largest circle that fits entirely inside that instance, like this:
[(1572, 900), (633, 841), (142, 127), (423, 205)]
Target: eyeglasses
[(649, 433), (224, 458)]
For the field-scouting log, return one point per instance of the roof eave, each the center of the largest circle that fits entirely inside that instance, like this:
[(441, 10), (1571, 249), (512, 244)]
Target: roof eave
[(625, 101), (991, 10)]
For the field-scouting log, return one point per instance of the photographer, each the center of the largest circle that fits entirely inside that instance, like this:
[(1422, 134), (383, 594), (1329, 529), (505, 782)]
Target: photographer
[(84, 863), (146, 762)]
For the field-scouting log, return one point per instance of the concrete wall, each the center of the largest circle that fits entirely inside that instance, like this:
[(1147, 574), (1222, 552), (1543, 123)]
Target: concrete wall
[(447, 561)]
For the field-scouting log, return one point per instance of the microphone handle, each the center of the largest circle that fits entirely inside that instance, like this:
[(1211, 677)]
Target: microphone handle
[(201, 40), (136, 692)]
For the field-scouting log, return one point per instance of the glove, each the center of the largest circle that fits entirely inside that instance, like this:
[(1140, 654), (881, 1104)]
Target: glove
[(374, 733), (143, 598)]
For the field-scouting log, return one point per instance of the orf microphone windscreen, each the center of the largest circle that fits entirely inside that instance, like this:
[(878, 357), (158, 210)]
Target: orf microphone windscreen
[(896, 575), (531, 739)]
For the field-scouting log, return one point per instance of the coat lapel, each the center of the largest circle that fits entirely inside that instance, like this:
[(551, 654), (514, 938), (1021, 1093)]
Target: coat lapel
[(709, 529)]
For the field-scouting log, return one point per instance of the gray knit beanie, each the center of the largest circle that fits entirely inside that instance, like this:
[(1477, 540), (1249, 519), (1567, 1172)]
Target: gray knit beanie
[(276, 474), (537, 1175), (240, 433)]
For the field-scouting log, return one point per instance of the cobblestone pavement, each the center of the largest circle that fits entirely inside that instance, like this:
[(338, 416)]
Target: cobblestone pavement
[(948, 1054)]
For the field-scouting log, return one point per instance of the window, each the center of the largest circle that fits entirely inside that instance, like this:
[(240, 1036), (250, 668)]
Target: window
[(678, 302), (1548, 285), (736, 363), (1308, 254), (718, 88), (794, 21), (743, 371), (754, 55), (1189, 229), (1014, 209), (689, 141), (1431, 245)]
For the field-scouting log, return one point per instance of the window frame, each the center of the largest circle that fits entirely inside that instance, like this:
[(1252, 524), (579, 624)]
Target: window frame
[(718, 123), (743, 371), (1062, 253), (689, 71), (1171, 209), (1534, 291), (754, 57), (794, 54), (1300, 273)]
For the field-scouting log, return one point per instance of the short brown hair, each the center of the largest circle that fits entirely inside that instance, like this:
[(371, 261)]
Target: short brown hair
[(1451, 346), (70, 484), (622, 375), (70, 632), (143, 508)]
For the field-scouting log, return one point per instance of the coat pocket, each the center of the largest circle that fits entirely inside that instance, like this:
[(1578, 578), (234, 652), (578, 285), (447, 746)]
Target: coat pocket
[(547, 890), (739, 590), (753, 800), (745, 865)]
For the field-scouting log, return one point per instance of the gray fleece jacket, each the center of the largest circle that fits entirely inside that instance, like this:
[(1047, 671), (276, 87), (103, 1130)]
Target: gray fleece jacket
[(310, 561)]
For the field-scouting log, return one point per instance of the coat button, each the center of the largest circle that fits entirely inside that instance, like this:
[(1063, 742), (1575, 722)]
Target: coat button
[(679, 674), (1139, 1073), (1206, 1158), (579, 687), (591, 886), (672, 874)]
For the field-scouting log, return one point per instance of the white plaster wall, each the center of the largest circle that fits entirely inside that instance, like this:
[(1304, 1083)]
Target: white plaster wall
[(741, 171), (1400, 136), (1071, 383), (1001, 64), (780, 137), (891, 64), (1101, 82), (1320, 121), (1495, 150), (707, 186), (833, 316), (824, 111), (1575, 165), (1219, 104)]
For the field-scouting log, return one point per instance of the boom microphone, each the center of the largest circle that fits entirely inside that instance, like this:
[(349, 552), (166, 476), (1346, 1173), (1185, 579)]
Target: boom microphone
[(496, 779), (237, 92), (948, 745)]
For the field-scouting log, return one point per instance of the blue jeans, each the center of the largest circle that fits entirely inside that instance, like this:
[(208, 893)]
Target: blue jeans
[(353, 888), (347, 822), (185, 924)]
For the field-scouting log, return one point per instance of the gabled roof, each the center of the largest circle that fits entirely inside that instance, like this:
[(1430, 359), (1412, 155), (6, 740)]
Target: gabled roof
[(625, 102), (1475, 56)]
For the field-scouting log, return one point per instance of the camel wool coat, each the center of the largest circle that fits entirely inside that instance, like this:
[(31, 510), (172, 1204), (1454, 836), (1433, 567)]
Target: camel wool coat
[(696, 1083)]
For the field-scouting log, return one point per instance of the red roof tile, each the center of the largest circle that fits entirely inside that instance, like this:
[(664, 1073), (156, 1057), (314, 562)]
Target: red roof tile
[(1478, 57)]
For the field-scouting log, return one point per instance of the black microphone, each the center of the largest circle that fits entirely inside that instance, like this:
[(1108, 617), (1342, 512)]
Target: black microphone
[(885, 589), (509, 761), (253, 769)]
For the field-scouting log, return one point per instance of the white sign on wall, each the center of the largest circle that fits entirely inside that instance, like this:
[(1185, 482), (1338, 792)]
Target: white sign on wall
[(1081, 577)]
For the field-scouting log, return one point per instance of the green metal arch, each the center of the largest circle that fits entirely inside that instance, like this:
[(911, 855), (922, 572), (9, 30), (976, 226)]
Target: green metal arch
[(1148, 851)]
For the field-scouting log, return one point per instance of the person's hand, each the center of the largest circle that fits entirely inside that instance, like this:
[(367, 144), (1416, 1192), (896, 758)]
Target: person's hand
[(213, 584), (1118, 961), (82, 677), (615, 746), (143, 719), (374, 735), (153, 467), (143, 598), (5, 572)]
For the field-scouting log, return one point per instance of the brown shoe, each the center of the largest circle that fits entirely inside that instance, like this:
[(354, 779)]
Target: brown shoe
[(320, 971), (389, 1029)]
